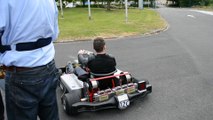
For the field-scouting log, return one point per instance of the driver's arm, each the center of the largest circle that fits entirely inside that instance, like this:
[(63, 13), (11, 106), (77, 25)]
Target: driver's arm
[(84, 56)]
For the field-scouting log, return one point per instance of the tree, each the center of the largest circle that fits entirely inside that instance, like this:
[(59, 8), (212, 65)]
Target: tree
[(189, 3), (108, 4)]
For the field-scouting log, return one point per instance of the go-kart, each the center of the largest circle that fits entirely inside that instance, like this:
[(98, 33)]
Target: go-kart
[(99, 91)]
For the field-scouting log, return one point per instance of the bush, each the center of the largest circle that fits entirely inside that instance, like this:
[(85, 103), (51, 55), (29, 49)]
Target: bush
[(190, 3)]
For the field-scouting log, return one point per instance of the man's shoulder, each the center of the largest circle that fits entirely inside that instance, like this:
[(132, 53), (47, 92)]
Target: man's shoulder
[(110, 56)]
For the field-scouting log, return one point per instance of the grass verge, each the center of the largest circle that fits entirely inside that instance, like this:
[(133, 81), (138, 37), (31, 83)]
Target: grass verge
[(76, 26)]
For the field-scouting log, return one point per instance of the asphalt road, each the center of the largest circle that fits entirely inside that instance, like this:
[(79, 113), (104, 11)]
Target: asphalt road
[(178, 63)]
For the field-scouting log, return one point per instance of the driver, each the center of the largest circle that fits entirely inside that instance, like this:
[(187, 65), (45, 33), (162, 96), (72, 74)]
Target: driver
[(101, 63)]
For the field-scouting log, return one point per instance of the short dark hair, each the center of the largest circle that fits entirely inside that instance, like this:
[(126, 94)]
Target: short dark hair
[(98, 44)]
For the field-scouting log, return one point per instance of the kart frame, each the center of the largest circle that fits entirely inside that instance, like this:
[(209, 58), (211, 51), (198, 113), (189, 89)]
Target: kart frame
[(78, 96)]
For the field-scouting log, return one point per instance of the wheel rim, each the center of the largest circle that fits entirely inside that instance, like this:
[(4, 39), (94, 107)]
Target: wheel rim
[(61, 86), (64, 104)]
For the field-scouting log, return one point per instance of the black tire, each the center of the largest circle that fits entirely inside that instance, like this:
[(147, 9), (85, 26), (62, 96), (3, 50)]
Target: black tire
[(69, 99), (61, 86)]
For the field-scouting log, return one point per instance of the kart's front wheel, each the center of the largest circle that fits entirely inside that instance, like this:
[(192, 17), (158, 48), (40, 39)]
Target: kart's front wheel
[(68, 100), (61, 86)]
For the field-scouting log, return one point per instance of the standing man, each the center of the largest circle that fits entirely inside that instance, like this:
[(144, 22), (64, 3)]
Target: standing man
[(27, 31)]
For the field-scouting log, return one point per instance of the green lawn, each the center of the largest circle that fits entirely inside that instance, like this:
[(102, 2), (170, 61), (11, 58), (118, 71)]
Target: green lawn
[(77, 26)]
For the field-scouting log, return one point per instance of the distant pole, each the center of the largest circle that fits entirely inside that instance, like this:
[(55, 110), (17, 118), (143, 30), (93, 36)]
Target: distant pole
[(61, 6), (148, 3), (126, 10), (89, 10), (140, 4)]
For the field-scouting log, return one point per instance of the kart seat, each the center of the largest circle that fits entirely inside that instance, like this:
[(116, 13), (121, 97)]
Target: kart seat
[(102, 75), (108, 82)]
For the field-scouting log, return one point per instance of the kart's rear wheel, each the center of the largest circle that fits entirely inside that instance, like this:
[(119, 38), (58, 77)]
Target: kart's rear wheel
[(69, 99), (137, 80), (149, 88), (61, 86)]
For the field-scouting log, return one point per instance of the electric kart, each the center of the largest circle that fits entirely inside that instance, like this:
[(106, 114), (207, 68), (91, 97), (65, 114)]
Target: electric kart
[(99, 91)]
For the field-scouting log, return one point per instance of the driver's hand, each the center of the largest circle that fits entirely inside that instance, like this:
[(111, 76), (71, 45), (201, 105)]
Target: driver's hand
[(84, 52), (81, 51)]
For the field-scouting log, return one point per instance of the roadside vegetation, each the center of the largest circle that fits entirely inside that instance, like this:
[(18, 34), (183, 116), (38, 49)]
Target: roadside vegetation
[(207, 8), (107, 23), (208, 4)]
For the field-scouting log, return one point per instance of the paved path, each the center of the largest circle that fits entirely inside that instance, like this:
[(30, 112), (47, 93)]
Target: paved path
[(177, 62)]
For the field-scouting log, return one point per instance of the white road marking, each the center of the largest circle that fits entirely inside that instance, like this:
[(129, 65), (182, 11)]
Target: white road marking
[(192, 16), (204, 12)]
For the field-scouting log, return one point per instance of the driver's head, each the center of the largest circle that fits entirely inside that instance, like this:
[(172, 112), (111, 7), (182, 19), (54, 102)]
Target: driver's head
[(99, 44)]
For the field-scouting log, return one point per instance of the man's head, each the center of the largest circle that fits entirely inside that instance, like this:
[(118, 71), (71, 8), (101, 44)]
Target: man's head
[(99, 44)]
